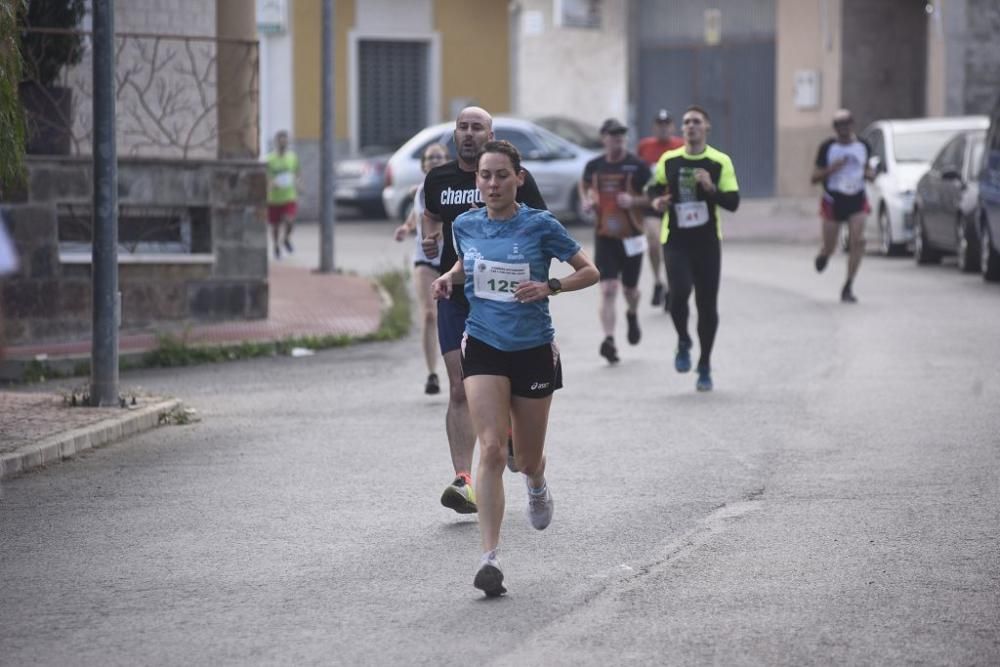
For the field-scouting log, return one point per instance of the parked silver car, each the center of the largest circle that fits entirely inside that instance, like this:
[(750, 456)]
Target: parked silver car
[(556, 164), (901, 152), (947, 206), (358, 182)]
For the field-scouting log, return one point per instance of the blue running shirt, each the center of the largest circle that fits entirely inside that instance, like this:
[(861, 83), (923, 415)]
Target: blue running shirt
[(496, 256)]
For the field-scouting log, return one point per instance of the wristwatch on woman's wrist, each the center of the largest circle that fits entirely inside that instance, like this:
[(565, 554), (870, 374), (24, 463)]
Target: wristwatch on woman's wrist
[(555, 286)]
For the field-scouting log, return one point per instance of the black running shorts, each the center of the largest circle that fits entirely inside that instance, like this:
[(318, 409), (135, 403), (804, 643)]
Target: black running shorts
[(533, 373), (840, 207), (612, 262)]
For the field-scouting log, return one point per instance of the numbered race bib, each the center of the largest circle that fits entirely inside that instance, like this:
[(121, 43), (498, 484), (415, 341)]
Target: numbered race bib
[(285, 179), (497, 281), (635, 245), (692, 214)]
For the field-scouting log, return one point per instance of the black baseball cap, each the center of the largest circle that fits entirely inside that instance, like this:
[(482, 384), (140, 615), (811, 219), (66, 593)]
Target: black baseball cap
[(663, 116), (612, 126)]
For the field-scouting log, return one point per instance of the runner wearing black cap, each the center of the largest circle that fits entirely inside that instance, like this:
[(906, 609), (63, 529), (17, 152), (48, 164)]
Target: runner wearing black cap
[(613, 184)]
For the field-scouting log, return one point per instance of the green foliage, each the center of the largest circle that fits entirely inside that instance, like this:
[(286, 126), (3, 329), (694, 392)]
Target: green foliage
[(396, 320), (173, 351), (45, 54), (11, 113)]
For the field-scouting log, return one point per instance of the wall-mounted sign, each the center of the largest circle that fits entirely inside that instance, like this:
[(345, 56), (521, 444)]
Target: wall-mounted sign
[(272, 16), (533, 22), (806, 89), (577, 14), (713, 26)]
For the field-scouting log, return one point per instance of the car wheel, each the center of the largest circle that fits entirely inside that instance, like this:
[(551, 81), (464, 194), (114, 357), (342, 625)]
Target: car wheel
[(923, 253), (989, 257), (965, 244), (886, 244)]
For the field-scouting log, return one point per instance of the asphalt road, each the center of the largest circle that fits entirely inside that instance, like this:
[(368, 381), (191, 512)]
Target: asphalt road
[(835, 501)]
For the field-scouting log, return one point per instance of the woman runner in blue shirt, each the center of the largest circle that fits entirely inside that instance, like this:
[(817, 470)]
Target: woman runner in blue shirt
[(510, 363)]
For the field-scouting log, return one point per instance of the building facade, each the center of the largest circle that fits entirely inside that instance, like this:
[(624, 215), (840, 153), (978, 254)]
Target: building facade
[(770, 72), (399, 66)]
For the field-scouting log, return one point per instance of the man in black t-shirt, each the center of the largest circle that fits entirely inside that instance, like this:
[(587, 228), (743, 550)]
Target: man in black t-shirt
[(450, 190), (613, 184)]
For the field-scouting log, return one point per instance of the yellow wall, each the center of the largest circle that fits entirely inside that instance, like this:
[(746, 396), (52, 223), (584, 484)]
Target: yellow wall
[(475, 53), (307, 24), (805, 40)]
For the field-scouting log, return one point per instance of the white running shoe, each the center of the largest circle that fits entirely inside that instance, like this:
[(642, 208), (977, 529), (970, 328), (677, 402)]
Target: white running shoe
[(489, 577), (540, 507)]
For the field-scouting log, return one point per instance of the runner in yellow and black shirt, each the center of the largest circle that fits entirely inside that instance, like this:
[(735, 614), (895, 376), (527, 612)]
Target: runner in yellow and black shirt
[(688, 185)]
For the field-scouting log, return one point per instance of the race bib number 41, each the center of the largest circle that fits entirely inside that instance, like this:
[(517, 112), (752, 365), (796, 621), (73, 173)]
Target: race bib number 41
[(692, 214), (497, 281)]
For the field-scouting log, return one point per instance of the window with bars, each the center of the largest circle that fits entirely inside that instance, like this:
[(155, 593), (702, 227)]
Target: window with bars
[(578, 14), (393, 91)]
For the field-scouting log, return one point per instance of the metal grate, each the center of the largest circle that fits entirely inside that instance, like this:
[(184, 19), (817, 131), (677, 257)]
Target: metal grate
[(393, 78), (734, 80)]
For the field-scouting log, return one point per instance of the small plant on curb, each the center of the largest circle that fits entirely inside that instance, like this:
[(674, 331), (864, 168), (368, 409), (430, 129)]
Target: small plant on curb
[(396, 319), (179, 416)]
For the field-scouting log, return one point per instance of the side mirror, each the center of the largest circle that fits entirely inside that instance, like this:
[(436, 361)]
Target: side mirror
[(951, 174), (875, 164)]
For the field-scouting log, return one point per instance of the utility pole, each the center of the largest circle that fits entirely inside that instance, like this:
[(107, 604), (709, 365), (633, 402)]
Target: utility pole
[(327, 211), (104, 261)]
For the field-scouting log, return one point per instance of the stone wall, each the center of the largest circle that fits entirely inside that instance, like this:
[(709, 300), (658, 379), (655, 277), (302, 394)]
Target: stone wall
[(50, 298)]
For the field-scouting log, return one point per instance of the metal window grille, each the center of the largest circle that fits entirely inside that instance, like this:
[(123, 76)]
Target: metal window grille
[(393, 77), (578, 14)]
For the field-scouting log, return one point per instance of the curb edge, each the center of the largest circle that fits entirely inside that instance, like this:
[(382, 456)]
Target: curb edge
[(65, 445)]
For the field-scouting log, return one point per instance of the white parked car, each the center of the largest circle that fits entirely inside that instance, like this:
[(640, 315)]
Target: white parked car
[(901, 153), (555, 164)]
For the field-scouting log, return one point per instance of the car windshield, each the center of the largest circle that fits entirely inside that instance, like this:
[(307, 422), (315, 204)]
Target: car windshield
[(576, 132), (920, 146)]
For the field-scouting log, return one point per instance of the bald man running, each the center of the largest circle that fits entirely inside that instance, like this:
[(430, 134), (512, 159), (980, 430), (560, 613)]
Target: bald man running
[(450, 190)]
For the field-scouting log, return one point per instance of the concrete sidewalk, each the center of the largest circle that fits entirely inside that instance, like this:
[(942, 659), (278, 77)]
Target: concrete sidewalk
[(774, 220), (38, 428)]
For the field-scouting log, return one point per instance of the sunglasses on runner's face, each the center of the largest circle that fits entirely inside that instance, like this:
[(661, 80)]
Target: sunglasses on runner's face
[(692, 121)]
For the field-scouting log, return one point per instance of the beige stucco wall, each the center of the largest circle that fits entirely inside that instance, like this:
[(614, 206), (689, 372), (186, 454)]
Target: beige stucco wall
[(808, 37), (475, 56), (580, 73)]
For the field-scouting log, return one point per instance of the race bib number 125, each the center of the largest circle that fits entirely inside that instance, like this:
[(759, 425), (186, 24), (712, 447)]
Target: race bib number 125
[(497, 281)]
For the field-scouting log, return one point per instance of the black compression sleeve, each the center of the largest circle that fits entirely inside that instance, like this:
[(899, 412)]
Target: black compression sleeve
[(727, 200)]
